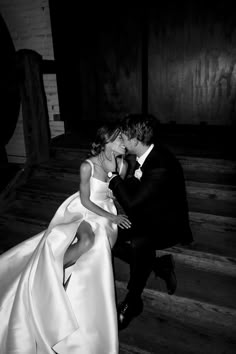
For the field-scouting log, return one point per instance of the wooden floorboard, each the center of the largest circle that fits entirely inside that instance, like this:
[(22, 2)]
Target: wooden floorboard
[(178, 325), (193, 283)]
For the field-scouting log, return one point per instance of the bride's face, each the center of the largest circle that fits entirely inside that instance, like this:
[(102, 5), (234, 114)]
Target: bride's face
[(117, 146)]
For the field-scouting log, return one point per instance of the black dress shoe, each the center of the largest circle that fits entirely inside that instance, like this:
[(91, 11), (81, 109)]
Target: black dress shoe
[(127, 310), (164, 268)]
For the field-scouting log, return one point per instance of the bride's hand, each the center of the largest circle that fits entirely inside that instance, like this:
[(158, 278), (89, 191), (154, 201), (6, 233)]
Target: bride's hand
[(121, 220)]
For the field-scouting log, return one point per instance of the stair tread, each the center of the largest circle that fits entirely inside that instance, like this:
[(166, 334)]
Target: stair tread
[(204, 176), (193, 186), (202, 189), (205, 312), (65, 153), (85, 148), (178, 325), (212, 206), (21, 225), (220, 269), (131, 349), (195, 270), (193, 280), (198, 187), (41, 204), (74, 157), (202, 258), (43, 187)]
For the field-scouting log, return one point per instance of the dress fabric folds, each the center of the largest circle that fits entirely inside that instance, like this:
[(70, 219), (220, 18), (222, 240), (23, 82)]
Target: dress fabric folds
[(37, 315)]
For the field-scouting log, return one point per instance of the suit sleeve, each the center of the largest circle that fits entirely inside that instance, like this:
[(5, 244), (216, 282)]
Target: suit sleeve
[(131, 193)]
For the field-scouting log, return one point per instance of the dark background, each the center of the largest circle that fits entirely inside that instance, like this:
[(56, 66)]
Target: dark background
[(176, 60)]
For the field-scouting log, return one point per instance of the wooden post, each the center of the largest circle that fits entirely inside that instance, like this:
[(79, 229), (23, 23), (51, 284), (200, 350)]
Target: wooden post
[(144, 61), (34, 107)]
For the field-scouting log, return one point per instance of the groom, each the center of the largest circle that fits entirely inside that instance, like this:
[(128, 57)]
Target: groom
[(154, 199)]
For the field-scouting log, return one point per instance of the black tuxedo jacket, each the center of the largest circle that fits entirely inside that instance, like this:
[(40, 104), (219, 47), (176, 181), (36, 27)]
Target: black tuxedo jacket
[(156, 204)]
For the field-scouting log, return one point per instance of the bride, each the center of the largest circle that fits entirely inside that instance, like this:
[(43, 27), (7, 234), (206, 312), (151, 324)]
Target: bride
[(57, 289)]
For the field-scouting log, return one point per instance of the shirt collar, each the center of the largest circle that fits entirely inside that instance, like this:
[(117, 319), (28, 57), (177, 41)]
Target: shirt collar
[(143, 157)]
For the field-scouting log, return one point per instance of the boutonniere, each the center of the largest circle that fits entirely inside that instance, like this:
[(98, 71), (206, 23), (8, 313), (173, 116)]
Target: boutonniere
[(138, 173)]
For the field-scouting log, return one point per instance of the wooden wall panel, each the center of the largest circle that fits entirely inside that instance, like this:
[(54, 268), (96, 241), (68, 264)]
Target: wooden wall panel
[(110, 67), (192, 66)]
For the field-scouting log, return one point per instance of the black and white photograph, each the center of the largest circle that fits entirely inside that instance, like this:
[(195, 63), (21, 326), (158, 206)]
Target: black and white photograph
[(117, 177)]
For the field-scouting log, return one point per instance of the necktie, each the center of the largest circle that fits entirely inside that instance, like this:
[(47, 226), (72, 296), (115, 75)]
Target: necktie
[(137, 165)]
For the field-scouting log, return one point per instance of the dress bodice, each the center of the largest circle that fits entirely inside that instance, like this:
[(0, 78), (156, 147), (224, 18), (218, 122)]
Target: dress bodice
[(99, 190)]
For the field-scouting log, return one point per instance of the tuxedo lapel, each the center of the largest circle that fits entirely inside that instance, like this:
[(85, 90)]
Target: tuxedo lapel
[(151, 160)]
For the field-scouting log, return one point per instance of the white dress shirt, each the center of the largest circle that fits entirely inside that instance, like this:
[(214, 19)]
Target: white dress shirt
[(138, 173)]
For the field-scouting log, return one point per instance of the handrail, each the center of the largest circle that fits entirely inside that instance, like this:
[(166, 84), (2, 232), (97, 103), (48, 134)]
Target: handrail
[(21, 175)]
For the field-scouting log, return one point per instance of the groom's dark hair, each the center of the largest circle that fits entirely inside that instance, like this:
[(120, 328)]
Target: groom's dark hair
[(143, 127)]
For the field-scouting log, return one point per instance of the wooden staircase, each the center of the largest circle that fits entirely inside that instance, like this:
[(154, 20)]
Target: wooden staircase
[(201, 316)]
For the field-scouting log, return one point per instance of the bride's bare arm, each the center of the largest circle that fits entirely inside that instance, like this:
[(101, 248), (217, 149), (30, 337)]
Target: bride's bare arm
[(85, 175)]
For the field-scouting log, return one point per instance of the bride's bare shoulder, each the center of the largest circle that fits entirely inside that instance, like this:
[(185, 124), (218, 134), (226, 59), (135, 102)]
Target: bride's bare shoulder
[(86, 166)]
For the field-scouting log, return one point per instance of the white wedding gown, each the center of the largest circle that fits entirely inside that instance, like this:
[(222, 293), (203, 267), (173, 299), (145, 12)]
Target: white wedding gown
[(37, 315)]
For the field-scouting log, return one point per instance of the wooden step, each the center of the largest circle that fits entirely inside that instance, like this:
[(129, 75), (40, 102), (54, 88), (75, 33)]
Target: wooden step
[(210, 206), (201, 190), (208, 170), (205, 163), (177, 325), (196, 169), (73, 154), (198, 271), (43, 206), (211, 191), (212, 234), (131, 349), (200, 276), (196, 190), (33, 209), (201, 197), (57, 186), (14, 230), (57, 191)]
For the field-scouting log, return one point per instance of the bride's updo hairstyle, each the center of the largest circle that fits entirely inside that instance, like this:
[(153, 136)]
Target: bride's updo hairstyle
[(105, 134)]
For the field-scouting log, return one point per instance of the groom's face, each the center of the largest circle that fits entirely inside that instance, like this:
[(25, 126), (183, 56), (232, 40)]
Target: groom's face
[(130, 144)]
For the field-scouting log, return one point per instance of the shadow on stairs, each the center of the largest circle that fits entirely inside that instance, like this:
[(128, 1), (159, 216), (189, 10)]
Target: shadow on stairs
[(201, 316)]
